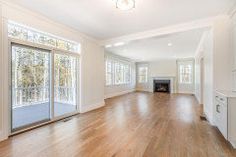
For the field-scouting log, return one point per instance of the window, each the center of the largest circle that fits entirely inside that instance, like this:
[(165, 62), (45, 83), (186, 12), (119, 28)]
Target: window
[(109, 72), (143, 74), (127, 73), (185, 73), (117, 72), (28, 34)]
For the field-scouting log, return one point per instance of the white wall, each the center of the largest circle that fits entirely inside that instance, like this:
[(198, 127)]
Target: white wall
[(92, 55), (165, 67), (223, 55), (205, 51), (116, 90), (2, 131), (234, 48), (216, 51), (198, 74), (92, 77), (208, 78), (160, 68)]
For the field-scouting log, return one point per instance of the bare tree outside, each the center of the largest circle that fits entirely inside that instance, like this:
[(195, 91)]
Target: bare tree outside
[(30, 76), (32, 73)]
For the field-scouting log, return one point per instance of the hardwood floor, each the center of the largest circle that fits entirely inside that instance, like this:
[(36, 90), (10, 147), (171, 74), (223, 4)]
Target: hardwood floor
[(133, 125)]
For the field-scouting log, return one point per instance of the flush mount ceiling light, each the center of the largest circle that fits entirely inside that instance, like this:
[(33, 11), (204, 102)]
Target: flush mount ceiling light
[(125, 4), (169, 44), (108, 46), (119, 44)]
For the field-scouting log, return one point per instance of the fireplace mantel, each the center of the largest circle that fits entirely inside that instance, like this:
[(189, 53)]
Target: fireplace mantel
[(160, 77)]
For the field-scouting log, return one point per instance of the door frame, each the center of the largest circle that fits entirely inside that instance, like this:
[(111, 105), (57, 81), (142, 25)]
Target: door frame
[(52, 52), (202, 73)]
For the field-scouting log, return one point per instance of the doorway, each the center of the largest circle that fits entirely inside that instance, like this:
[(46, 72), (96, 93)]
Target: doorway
[(202, 80), (44, 85)]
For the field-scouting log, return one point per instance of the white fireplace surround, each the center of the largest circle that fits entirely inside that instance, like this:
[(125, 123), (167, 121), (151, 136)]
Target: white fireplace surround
[(172, 82)]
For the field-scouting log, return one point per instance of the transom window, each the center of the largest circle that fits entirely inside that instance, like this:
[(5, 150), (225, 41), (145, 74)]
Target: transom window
[(25, 33), (117, 72)]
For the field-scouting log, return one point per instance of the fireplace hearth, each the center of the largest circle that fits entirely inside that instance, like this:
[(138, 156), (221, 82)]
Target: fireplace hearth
[(161, 86)]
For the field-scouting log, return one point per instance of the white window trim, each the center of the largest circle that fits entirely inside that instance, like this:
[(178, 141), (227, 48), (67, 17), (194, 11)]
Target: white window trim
[(52, 51)]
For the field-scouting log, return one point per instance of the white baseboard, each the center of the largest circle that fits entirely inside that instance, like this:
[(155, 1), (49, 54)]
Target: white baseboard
[(3, 136), (210, 120), (198, 101), (233, 144), (87, 108), (119, 93)]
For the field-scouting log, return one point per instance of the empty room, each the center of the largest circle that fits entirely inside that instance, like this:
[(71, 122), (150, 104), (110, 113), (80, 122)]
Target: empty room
[(118, 78)]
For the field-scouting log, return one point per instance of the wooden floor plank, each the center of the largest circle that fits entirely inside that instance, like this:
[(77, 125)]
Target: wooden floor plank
[(138, 124)]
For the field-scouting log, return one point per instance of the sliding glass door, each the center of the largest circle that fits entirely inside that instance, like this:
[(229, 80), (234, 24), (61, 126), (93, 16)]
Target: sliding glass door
[(65, 84), (44, 85), (30, 86)]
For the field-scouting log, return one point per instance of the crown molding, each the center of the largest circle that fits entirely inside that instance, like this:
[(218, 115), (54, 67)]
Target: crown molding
[(70, 29)]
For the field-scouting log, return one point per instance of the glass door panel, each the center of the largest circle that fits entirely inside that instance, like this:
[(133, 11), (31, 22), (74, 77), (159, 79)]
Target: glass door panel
[(30, 86), (65, 78)]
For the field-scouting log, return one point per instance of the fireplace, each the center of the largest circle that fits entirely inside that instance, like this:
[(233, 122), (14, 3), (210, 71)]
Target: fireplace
[(161, 86)]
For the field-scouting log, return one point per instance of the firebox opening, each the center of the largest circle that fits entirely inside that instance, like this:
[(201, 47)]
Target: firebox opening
[(162, 86)]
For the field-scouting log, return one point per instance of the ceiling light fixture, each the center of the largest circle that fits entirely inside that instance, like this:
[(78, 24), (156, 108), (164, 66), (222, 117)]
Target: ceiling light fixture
[(125, 4), (119, 44), (170, 44), (108, 46)]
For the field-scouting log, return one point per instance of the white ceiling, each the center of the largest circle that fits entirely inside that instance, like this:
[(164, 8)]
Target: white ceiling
[(184, 45), (101, 20)]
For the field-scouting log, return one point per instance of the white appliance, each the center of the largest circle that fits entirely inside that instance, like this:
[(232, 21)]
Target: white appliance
[(225, 109)]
